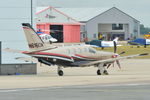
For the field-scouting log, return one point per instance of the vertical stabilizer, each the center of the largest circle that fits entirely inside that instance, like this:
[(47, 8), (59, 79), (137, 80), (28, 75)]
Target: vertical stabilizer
[(34, 41)]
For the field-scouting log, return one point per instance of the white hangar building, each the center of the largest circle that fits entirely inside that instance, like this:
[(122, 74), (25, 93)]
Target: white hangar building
[(110, 23)]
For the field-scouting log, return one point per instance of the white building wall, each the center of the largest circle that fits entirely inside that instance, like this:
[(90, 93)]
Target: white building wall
[(109, 17), (53, 16)]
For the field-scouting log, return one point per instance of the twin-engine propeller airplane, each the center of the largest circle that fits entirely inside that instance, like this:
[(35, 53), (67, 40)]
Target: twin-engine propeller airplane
[(70, 56)]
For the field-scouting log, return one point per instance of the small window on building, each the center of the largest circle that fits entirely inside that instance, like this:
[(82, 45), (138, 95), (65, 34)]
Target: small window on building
[(117, 26), (83, 35), (94, 35)]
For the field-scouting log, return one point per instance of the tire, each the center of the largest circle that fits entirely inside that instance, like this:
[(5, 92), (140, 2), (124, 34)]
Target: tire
[(60, 73), (105, 72), (98, 72)]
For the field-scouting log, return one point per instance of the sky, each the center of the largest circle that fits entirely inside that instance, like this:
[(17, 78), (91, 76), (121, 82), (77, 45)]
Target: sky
[(139, 9)]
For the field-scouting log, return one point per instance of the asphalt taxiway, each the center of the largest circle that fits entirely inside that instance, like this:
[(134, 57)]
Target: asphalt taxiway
[(86, 92), (133, 70), (132, 82)]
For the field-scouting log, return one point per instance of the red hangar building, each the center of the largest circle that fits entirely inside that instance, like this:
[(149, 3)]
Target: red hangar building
[(59, 25)]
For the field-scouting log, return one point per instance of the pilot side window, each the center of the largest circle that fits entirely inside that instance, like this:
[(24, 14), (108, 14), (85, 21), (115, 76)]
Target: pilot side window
[(46, 38)]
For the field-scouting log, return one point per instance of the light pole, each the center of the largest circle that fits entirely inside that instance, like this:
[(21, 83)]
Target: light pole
[(0, 53), (31, 13)]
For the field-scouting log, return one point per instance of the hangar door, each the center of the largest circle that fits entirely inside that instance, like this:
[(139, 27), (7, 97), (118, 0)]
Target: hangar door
[(56, 31)]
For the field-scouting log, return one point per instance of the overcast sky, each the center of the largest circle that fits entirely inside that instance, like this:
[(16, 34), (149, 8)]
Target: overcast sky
[(139, 9)]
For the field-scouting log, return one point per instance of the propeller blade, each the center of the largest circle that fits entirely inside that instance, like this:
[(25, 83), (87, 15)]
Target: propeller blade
[(143, 54), (122, 53), (115, 46), (118, 63), (108, 66), (114, 64)]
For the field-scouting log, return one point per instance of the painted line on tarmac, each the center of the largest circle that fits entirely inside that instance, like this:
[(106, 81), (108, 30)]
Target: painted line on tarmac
[(27, 89), (81, 86)]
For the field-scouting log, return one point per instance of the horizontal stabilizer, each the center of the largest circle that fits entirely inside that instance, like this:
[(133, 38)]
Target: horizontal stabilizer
[(12, 50)]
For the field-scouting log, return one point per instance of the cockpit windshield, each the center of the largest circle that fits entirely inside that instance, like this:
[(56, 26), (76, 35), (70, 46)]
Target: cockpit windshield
[(92, 50)]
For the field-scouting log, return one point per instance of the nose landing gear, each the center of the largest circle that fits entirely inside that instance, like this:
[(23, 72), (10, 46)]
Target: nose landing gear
[(101, 70)]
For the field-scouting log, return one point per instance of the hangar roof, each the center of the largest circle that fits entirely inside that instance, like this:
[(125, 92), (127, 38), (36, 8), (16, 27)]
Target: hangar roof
[(84, 14)]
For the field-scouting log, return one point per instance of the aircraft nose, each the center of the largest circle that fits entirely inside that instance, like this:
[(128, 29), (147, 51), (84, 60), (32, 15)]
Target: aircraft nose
[(115, 55), (53, 40)]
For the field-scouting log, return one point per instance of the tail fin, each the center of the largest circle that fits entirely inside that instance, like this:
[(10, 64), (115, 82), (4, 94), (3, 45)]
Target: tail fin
[(34, 41), (116, 39)]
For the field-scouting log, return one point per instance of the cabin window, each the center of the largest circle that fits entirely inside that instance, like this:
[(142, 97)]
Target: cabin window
[(46, 38), (42, 38), (79, 50), (92, 50), (94, 36), (69, 52), (85, 49)]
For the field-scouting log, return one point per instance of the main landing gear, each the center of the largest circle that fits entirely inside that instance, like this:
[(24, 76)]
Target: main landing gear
[(101, 70), (59, 71)]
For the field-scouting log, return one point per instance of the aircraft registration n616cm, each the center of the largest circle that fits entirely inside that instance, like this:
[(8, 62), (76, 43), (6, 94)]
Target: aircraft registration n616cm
[(70, 56)]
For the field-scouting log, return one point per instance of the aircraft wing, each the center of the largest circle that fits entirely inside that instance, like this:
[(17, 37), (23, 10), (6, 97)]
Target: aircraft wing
[(112, 59), (27, 59)]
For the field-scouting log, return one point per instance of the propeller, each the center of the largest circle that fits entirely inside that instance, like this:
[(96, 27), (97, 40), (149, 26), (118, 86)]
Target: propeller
[(117, 61), (115, 46)]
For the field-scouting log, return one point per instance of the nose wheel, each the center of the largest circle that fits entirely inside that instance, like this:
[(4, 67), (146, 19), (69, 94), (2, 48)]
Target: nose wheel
[(101, 70), (102, 73), (98, 72)]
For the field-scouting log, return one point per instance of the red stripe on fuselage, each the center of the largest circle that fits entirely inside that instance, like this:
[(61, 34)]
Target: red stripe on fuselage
[(52, 54)]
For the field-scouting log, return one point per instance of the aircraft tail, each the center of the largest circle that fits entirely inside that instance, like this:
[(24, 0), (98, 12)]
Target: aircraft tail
[(34, 41)]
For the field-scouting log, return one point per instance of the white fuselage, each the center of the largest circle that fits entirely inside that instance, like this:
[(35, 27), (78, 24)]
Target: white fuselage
[(47, 38), (71, 55)]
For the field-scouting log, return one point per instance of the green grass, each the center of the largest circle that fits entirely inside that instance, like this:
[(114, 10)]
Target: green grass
[(130, 51)]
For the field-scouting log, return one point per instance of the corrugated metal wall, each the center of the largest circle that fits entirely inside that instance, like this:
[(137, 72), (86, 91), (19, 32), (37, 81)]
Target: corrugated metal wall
[(71, 33)]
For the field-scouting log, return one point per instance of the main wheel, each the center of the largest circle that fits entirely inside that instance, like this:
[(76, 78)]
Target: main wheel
[(98, 72), (105, 72), (60, 73)]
